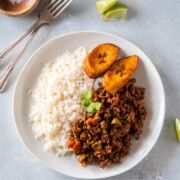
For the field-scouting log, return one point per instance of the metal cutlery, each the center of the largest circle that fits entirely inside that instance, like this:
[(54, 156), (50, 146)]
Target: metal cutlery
[(49, 12)]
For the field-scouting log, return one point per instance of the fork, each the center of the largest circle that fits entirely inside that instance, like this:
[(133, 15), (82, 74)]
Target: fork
[(51, 10)]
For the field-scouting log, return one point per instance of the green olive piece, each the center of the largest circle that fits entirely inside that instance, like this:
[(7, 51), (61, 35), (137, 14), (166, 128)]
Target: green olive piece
[(82, 157), (116, 121), (94, 145)]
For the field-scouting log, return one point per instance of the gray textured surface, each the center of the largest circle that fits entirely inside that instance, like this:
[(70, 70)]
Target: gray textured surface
[(152, 25)]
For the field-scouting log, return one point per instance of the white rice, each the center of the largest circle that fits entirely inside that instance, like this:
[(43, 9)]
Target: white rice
[(56, 99)]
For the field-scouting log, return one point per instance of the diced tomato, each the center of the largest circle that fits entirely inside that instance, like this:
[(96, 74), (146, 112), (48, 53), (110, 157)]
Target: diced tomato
[(92, 121), (76, 147), (71, 143)]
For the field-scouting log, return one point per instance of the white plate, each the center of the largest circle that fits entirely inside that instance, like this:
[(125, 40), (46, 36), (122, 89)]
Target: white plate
[(147, 76)]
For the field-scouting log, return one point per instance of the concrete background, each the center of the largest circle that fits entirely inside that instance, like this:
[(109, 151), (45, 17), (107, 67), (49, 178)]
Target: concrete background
[(154, 26)]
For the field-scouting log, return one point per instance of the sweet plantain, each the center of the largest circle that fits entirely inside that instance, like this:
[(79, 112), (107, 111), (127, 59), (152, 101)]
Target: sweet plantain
[(100, 59), (119, 73)]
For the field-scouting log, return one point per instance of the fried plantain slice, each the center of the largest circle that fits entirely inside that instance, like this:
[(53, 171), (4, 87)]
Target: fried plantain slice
[(119, 73), (100, 59)]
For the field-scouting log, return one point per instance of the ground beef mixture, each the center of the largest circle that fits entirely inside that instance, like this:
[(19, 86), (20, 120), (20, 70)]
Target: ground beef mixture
[(105, 137)]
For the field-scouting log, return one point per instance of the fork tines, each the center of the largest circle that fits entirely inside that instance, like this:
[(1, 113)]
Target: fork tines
[(56, 7)]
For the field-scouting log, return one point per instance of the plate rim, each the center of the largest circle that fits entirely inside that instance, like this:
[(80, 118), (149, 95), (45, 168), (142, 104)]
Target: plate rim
[(161, 115)]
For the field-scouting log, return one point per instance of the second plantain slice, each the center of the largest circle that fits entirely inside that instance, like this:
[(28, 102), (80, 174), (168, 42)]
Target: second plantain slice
[(119, 73)]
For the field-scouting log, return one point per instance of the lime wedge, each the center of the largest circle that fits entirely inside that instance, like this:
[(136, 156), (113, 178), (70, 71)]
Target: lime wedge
[(177, 123), (104, 5), (117, 12)]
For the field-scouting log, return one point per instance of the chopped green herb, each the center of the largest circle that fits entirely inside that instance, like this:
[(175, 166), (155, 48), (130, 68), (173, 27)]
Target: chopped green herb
[(93, 107), (86, 101), (86, 98)]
